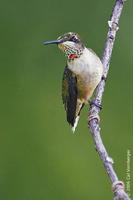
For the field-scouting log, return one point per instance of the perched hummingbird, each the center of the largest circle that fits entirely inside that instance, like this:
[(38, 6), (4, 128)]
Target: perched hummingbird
[(82, 74)]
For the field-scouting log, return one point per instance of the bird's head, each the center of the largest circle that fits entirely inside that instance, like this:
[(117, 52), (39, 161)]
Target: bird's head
[(70, 44)]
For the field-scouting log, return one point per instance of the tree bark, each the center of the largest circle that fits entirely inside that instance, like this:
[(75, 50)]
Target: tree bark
[(117, 186)]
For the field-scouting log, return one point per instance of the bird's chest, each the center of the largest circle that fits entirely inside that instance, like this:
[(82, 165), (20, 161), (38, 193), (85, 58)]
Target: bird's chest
[(88, 67)]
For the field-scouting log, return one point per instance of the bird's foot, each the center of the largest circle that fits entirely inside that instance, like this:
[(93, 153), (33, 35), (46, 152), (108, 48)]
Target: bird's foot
[(93, 116), (94, 103)]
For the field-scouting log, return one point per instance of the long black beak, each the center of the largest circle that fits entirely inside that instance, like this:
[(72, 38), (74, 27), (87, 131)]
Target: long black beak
[(53, 42)]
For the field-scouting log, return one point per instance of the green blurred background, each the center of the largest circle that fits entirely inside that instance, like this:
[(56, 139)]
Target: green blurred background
[(40, 158)]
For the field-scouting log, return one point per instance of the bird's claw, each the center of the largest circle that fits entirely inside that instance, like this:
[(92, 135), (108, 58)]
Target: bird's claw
[(94, 103)]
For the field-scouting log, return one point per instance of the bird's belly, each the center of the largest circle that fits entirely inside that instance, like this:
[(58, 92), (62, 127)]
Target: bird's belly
[(86, 84)]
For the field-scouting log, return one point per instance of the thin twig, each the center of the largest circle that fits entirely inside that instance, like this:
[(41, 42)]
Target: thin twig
[(117, 186)]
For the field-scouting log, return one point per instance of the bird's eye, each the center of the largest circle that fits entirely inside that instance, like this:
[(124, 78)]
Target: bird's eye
[(73, 39)]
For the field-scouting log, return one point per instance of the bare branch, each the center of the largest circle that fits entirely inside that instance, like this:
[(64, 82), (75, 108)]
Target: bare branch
[(117, 186)]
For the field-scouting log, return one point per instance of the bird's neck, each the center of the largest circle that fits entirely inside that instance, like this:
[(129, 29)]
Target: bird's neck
[(73, 53), (84, 63)]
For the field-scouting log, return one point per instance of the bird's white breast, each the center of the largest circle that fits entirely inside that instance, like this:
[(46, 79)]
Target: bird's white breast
[(88, 65)]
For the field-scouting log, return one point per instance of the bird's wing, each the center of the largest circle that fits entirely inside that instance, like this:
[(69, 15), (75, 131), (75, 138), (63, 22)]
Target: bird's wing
[(69, 94)]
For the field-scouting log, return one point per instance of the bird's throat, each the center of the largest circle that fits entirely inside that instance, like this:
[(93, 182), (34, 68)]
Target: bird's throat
[(73, 56), (70, 50)]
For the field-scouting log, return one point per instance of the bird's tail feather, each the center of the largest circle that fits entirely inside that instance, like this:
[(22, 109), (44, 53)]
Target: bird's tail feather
[(77, 117), (75, 124)]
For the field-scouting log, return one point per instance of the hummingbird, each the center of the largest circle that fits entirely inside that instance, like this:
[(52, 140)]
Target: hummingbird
[(82, 74)]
